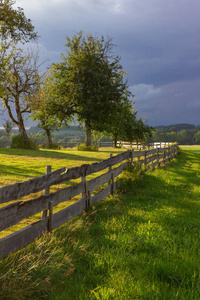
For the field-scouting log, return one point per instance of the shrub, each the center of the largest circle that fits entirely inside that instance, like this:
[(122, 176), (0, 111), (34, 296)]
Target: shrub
[(131, 176), (4, 141), (53, 146), (83, 147), (19, 142)]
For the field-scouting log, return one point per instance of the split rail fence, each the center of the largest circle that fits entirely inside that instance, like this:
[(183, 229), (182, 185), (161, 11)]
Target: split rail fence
[(20, 210)]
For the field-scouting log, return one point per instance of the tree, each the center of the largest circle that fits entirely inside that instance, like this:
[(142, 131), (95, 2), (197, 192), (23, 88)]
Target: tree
[(123, 121), (14, 28), (8, 126), (43, 111), (19, 84), (13, 23), (18, 73), (88, 82)]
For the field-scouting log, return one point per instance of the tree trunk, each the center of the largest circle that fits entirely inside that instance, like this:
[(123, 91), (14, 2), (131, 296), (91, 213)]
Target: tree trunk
[(115, 140), (22, 129), (48, 133), (88, 134)]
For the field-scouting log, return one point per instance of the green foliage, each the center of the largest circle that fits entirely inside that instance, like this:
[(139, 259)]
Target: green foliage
[(53, 146), (143, 244), (19, 75), (13, 23), (131, 176), (19, 142), (8, 126), (89, 83), (182, 136), (83, 147)]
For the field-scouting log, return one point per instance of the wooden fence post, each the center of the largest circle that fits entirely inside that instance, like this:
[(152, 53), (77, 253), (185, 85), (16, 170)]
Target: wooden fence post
[(85, 193), (132, 153), (50, 222), (89, 199), (164, 156), (112, 183), (169, 153), (145, 159), (46, 192), (158, 163), (109, 169)]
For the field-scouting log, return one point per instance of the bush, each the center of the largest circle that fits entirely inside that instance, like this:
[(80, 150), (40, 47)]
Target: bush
[(53, 146), (19, 142), (83, 147), (131, 176), (4, 141)]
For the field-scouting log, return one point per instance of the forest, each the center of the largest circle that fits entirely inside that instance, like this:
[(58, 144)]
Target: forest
[(183, 134)]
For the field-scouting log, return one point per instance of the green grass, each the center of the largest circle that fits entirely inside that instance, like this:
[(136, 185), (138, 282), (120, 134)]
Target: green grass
[(21, 165), (142, 243)]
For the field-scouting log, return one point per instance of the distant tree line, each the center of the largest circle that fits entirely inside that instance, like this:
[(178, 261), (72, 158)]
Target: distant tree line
[(183, 134)]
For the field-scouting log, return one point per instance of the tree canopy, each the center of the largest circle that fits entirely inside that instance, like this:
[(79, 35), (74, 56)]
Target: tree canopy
[(89, 83), (14, 24)]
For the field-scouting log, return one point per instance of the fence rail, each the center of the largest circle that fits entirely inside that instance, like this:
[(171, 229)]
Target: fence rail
[(135, 145), (20, 210)]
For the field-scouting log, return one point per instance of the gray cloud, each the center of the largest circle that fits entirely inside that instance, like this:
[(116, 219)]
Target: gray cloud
[(158, 41)]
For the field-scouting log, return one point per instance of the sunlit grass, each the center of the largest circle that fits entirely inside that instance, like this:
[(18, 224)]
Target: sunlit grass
[(21, 165), (142, 243)]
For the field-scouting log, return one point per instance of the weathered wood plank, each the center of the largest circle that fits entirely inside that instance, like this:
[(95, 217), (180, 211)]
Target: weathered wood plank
[(163, 149), (152, 151), (96, 167), (155, 164), (138, 153), (151, 158), (67, 193), (22, 238), (69, 213), (21, 189), (101, 195), (16, 212), (86, 169), (118, 170), (93, 184)]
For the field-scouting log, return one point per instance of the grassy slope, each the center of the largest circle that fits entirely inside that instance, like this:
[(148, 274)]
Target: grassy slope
[(21, 165), (142, 244)]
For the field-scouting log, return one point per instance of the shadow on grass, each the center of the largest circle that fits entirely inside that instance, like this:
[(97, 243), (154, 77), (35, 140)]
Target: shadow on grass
[(145, 235), (18, 171), (48, 154)]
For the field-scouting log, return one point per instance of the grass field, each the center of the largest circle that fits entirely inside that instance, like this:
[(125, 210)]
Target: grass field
[(142, 243)]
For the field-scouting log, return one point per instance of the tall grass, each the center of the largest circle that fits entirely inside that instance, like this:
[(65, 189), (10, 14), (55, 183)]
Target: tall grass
[(142, 243)]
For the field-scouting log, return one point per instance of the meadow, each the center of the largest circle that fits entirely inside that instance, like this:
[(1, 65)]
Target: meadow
[(141, 243)]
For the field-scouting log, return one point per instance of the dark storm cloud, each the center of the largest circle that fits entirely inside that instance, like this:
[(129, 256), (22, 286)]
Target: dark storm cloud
[(158, 41)]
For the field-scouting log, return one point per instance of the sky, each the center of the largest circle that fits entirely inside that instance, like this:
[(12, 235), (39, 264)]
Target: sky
[(158, 41)]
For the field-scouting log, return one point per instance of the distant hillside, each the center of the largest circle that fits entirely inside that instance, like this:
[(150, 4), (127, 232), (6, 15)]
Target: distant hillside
[(179, 127)]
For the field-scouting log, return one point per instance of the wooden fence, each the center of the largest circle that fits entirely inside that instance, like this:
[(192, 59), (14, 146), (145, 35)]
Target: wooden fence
[(135, 145), (139, 145), (19, 210)]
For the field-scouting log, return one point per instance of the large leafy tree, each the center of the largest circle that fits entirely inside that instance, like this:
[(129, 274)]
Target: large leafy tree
[(19, 85), (89, 82), (48, 113), (14, 26), (19, 76)]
